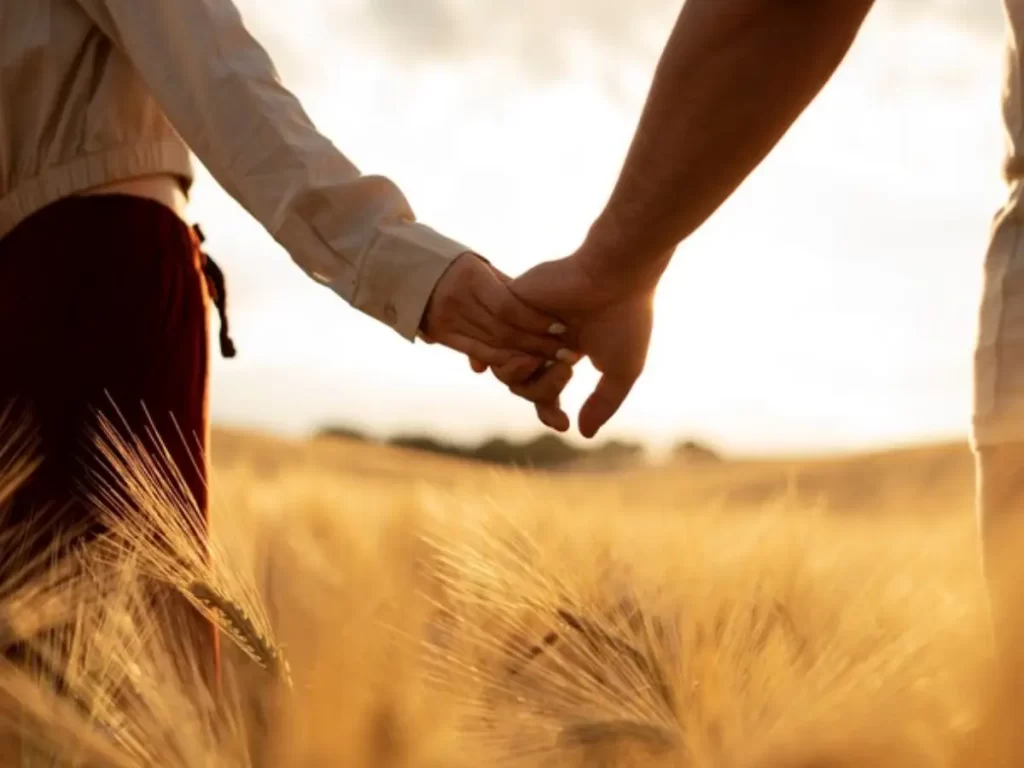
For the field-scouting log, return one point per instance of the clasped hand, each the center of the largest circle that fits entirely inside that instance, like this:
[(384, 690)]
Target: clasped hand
[(530, 331)]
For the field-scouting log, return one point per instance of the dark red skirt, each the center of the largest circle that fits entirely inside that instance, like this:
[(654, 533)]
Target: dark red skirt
[(103, 309), (103, 306)]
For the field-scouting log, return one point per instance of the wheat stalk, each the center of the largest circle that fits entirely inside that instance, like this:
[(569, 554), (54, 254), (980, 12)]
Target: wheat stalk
[(151, 514), (244, 631)]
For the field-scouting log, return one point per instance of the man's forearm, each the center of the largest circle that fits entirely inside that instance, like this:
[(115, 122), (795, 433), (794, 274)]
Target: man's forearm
[(733, 78)]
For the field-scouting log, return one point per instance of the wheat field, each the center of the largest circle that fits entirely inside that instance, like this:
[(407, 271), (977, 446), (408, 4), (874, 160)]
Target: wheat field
[(387, 608)]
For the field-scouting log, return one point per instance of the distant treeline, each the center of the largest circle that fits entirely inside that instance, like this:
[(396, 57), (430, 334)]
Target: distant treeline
[(546, 451)]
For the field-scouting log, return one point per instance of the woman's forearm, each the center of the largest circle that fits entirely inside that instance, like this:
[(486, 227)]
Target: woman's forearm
[(354, 233)]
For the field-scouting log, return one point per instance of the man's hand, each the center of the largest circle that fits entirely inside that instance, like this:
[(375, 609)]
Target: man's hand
[(733, 77), (609, 324), (473, 312)]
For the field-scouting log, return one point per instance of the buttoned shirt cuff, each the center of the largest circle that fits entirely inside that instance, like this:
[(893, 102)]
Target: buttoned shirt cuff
[(399, 274)]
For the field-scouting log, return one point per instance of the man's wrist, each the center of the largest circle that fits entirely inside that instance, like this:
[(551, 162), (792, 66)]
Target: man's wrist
[(617, 271)]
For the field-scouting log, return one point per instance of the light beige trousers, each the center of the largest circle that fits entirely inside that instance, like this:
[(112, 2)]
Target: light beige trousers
[(998, 415)]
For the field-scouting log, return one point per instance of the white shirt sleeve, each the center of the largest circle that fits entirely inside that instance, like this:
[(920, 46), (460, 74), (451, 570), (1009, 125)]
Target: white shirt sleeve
[(217, 85)]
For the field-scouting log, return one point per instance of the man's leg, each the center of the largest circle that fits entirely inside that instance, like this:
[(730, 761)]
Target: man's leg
[(103, 302), (998, 418), (1000, 503)]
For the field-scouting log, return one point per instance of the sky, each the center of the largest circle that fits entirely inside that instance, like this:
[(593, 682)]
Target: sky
[(830, 305)]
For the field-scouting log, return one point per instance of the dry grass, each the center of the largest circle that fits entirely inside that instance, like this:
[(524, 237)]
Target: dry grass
[(437, 614)]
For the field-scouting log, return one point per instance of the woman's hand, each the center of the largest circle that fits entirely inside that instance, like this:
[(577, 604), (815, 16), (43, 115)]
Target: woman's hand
[(473, 312)]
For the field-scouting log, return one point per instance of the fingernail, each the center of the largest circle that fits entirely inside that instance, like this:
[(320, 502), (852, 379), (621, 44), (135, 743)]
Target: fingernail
[(567, 356), (557, 329), (548, 363)]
